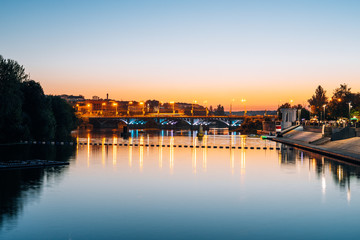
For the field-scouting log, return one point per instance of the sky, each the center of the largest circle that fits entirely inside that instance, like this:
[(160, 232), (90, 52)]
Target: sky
[(267, 52)]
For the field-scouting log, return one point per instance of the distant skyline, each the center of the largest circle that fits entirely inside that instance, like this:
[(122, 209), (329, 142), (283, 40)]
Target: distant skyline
[(266, 52)]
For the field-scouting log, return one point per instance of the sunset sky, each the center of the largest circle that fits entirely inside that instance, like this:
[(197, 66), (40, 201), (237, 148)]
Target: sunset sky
[(266, 52)]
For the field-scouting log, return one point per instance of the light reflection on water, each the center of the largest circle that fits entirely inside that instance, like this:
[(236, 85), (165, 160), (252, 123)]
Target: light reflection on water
[(132, 192)]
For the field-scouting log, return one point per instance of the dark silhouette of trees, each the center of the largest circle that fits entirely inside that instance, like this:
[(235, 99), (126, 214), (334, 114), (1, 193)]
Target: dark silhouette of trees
[(211, 112), (11, 76), (339, 104), (219, 111), (250, 126), (318, 100), (64, 116), (38, 119), (26, 112)]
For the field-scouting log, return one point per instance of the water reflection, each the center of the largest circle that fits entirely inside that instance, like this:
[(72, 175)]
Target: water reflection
[(18, 188), (172, 140), (287, 156), (323, 167), (243, 154), (190, 187)]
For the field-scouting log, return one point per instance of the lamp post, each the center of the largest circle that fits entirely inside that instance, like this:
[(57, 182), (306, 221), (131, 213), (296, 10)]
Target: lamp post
[(115, 105), (89, 106), (232, 101), (244, 102), (128, 111), (349, 110), (77, 107), (192, 108), (102, 108), (324, 106), (143, 107), (173, 106)]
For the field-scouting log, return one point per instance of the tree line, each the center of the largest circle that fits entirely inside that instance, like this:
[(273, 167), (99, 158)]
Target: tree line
[(342, 104), (26, 113)]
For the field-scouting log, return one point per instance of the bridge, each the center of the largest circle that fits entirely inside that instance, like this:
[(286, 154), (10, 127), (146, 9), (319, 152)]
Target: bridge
[(166, 121)]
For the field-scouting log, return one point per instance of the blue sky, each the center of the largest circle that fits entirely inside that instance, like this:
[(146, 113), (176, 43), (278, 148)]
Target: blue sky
[(264, 51)]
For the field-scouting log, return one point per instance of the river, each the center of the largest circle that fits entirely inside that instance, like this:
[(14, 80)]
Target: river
[(171, 192)]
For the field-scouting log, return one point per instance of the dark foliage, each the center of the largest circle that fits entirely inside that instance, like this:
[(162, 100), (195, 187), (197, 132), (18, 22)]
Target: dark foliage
[(219, 111), (318, 100), (26, 112), (250, 126)]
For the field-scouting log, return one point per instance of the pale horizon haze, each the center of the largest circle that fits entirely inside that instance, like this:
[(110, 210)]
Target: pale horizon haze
[(266, 52)]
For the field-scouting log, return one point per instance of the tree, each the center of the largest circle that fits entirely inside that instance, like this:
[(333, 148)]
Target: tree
[(250, 126), (318, 100), (38, 117), (65, 117), (11, 77), (219, 111), (339, 104), (25, 111), (211, 112)]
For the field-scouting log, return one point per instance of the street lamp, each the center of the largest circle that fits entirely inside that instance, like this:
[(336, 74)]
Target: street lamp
[(349, 110), (115, 105), (173, 105), (89, 106), (192, 107), (128, 111), (102, 108), (231, 105), (324, 106), (143, 107), (244, 102)]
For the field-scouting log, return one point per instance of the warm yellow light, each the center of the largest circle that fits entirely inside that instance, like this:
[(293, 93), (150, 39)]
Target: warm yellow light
[(103, 104), (195, 101), (115, 104), (339, 99), (243, 100), (130, 102), (291, 101), (89, 105), (141, 103), (77, 105), (172, 102)]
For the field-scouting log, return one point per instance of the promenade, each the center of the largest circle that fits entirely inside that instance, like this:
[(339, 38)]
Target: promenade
[(346, 149)]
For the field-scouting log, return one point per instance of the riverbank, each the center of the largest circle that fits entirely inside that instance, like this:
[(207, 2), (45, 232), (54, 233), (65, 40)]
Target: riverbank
[(346, 149)]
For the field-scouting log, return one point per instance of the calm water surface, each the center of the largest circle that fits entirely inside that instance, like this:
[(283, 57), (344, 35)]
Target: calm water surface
[(138, 192)]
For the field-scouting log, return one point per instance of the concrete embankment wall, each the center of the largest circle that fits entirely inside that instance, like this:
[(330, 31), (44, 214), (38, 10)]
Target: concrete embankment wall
[(344, 133), (346, 149)]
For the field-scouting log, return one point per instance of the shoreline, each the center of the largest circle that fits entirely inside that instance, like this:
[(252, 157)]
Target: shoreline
[(336, 153)]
